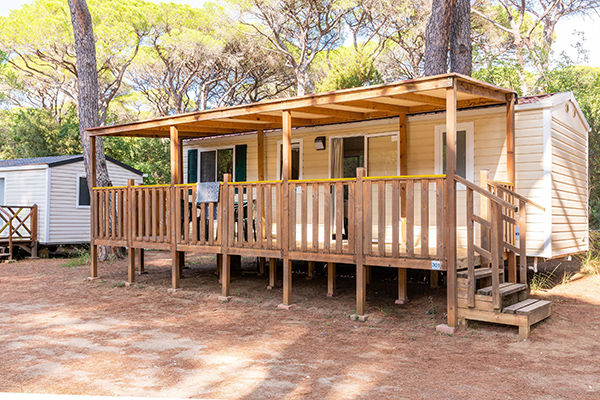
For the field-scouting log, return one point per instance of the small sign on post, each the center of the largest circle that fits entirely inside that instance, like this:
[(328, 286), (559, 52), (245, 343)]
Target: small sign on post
[(436, 265)]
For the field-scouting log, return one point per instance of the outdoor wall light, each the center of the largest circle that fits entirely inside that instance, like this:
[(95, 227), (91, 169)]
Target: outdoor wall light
[(320, 143)]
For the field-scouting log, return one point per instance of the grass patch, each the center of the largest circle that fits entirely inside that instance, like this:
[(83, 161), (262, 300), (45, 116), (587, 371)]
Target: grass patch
[(79, 259), (590, 261), (543, 280)]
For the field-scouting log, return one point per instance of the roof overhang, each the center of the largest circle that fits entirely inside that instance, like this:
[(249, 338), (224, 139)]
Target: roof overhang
[(358, 104)]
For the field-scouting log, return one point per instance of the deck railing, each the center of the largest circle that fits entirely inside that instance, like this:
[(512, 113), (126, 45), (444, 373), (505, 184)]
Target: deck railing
[(411, 212), (19, 225), (401, 218)]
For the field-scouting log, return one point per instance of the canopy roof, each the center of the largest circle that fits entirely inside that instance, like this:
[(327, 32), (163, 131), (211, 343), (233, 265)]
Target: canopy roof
[(357, 104)]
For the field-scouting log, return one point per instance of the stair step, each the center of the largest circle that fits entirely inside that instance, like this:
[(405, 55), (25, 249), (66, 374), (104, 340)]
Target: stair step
[(506, 288), (480, 273), (528, 306)]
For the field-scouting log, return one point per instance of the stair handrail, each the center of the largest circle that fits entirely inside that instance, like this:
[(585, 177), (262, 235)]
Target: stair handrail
[(501, 185), (486, 193), (496, 245)]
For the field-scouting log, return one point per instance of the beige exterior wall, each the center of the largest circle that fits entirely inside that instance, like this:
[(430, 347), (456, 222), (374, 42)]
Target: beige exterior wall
[(569, 180), (533, 170)]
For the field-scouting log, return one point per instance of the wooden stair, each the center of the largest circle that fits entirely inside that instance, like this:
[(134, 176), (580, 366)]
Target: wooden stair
[(517, 308), (5, 253)]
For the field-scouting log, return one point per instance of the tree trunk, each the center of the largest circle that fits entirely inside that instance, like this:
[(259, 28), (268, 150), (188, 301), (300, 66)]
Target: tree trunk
[(302, 82), (461, 48), (437, 36), (87, 94)]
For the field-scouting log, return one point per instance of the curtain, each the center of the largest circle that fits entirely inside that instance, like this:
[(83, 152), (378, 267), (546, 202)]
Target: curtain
[(337, 158)]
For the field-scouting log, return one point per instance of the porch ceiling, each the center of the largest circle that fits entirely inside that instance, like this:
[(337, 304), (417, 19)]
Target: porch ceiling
[(358, 104)]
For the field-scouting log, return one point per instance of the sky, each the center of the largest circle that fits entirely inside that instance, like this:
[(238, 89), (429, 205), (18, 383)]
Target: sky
[(565, 38)]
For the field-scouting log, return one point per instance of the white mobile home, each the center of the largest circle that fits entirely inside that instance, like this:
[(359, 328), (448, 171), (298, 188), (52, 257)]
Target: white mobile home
[(58, 186)]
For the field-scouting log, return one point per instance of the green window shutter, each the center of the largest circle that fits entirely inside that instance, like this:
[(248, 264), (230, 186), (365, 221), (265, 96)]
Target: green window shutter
[(240, 162), (192, 173)]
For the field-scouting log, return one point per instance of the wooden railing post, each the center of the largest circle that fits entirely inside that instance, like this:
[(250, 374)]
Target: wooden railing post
[(522, 227), (286, 132), (227, 207), (496, 252), (484, 176), (470, 249), (93, 209), (34, 231), (10, 238), (361, 278), (130, 222)]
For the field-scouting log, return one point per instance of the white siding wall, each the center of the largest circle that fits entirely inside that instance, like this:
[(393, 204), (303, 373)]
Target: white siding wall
[(569, 181), (27, 187), (69, 223)]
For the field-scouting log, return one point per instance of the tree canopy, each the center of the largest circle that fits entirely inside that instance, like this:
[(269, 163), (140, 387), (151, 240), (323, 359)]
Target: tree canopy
[(163, 58)]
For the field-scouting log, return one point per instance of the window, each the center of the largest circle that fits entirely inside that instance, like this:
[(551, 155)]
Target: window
[(296, 159), (464, 150), (214, 164), (377, 152), (83, 192), (2, 185)]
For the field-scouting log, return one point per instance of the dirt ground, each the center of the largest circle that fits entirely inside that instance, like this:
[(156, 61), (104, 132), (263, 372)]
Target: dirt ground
[(61, 333)]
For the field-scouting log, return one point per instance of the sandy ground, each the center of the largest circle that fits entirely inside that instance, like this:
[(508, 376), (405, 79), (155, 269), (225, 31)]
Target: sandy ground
[(60, 333)]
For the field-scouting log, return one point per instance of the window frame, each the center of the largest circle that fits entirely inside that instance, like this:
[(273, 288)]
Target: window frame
[(295, 142), (395, 138), (469, 129), (77, 204), (3, 198), (215, 149)]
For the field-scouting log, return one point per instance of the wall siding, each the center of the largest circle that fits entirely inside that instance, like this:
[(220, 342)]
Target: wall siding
[(69, 223), (569, 181), (28, 187)]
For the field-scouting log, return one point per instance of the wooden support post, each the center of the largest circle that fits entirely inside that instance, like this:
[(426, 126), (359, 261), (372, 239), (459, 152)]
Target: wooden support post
[(311, 270), (287, 281), (219, 265), (175, 179), (10, 238), (510, 138), (330, 279), (131, 265), (34, 231), (434, 279), (402, 286), (367, 275), (402, 129), (142, 267), (225, 273), (261, 266), (286, 136), (93, 213), (450, 231), (272, 273), (510, 168), (260, 154), (129, 206), (361, 278)]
